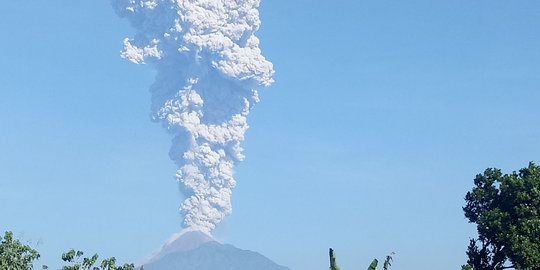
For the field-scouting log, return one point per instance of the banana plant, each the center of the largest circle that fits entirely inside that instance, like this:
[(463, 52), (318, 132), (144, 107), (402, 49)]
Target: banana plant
[(372, 266), (333, 264), (388, 261)]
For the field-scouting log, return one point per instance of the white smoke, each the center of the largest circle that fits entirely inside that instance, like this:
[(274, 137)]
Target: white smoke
[(208, 68)]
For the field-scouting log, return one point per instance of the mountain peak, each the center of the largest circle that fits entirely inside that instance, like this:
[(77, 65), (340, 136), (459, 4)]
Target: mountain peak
[(195, 250), (187, 240), (181, 242)]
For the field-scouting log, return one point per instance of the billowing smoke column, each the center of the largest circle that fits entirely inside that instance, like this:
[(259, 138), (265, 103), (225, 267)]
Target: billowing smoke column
[(208, 68)]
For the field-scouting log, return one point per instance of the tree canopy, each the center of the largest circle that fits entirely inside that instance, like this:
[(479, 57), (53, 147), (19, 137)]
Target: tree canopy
[(77, 262), (14, 254), (506, 210)]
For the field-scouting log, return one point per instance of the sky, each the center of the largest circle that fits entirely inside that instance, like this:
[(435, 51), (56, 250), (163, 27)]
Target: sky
[(381, 114)]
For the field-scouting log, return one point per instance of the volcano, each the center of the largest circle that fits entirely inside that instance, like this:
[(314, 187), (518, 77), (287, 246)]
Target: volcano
[(198, 251)]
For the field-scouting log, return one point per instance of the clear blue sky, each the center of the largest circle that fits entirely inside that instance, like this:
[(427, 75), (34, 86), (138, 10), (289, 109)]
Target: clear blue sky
[(381, 115)]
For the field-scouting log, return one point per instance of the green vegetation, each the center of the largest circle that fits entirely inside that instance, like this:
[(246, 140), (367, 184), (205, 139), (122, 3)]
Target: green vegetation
[(74, 259), (333, 264), (388, 261), (372, 266), (506, 209), (15, 255)]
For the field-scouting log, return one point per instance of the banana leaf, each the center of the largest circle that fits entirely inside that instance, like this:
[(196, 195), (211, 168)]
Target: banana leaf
[(373, 265)]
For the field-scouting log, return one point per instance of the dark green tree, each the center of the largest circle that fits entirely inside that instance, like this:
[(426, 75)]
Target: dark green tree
[(77, 262), (14, 255), (506, 210)]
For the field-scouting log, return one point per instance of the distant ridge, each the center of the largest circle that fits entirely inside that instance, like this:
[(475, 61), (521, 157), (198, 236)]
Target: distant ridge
[(197, 251)]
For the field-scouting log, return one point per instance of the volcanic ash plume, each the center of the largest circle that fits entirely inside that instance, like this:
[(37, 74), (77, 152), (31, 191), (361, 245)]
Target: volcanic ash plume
[(208, 68)]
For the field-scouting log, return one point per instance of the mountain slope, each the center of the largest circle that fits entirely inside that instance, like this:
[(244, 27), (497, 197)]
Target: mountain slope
[(200, 254)]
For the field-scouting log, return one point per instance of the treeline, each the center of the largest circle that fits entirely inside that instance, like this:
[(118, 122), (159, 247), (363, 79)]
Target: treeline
[(15, 255)]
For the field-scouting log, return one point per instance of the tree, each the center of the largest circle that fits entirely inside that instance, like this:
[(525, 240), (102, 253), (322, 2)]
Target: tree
[(506, 210), (74, 259), (15, 255)]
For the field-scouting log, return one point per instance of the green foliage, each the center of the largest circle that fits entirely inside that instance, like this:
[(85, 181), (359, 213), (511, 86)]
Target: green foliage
[(77, 262), (506, 209), (467, 267), (333, 263), (14, 255), (388, 261), (373, 264)]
